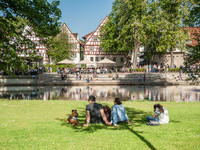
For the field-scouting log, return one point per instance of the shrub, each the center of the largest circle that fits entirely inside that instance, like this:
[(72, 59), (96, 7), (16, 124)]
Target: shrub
[(139, 70), (174, 69)]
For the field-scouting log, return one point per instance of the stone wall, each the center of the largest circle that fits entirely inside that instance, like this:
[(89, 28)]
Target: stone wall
[(166, 59)]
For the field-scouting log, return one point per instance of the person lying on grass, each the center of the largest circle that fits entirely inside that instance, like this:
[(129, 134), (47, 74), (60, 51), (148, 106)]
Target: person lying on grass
[(118, 113), (160, 116), (95, 112)]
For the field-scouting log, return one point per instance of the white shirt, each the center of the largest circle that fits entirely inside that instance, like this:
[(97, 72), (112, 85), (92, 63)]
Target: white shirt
[(164, 117)]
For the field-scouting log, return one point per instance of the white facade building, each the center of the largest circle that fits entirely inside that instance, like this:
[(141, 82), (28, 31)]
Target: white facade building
[(93, 51), (42, 50), (74, 40)]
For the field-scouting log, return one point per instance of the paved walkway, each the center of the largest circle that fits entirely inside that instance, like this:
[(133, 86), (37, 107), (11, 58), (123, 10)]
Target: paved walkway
[(101, 79)]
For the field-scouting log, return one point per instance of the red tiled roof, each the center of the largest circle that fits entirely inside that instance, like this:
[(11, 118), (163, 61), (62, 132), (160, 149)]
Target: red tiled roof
[(75, 35), (85, 36), (194, 33)]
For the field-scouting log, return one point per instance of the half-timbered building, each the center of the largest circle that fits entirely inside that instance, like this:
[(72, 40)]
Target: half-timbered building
[(40, 48), (74, 40), (93, 50)]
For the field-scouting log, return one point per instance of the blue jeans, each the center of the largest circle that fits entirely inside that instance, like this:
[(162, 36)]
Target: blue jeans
[(149, 118)]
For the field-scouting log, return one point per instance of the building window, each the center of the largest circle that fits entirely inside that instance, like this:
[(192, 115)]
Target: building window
[(91, 48), (114, 59), (100, 48), (96, 59), (95, 38), (122, 60), (91, 58), (102, 58), (75, 46)]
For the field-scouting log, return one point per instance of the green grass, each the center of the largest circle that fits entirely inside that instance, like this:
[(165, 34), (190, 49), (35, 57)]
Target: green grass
[(41, 125)]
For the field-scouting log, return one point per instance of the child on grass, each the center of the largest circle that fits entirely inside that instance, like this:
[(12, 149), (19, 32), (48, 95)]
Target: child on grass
[(160, 116)]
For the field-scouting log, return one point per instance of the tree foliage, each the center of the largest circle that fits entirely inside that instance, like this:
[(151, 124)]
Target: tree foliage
[(194, 21), (40, 15), (123, 32), (193, 18), (155, 24), (156, 39), (59, 47), (193, 55)]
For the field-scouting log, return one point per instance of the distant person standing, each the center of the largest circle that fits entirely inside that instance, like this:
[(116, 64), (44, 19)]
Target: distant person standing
[(144, 77), (149, 67)]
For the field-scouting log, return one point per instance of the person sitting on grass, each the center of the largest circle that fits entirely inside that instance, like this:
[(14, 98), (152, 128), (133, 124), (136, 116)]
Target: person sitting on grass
[(95, 112), (118, 113), (160, 116)]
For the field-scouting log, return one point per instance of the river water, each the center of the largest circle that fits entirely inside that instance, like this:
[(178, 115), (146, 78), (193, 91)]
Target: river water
[(103, 93)]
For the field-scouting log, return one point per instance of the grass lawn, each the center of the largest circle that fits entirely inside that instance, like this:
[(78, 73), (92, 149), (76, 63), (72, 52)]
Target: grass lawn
[(41, 125)]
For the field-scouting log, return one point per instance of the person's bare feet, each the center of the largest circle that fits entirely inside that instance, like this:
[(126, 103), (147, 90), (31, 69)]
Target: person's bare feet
[(86, 125), (130, 122), (109, 123)]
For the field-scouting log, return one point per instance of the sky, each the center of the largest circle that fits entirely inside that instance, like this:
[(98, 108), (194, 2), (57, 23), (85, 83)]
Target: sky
[(84, 16)]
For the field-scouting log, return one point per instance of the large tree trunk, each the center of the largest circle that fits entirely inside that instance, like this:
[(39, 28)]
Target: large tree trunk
[(135, 51), (172, 57), (127, 60), (134, 56)]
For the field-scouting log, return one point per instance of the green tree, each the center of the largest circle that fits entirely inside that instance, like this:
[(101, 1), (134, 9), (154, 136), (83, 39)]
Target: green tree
[(194, 21), (175, 12), (155, 24), (156, 36), (40, 15), (193, 18), (59, 48), (193, 54), (123, 32)]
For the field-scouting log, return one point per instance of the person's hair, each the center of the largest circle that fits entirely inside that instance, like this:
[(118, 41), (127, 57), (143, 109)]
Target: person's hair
[(92, 98), (160, 107), (118, 101)]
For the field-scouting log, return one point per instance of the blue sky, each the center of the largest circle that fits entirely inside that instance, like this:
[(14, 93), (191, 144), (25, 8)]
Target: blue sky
[(83, 16)]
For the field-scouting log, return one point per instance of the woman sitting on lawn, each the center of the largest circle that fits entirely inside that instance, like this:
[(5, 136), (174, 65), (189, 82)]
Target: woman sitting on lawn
[(118, 113), (160, 116)]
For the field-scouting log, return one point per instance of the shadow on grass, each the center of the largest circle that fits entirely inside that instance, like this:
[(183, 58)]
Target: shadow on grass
[(137, 116)]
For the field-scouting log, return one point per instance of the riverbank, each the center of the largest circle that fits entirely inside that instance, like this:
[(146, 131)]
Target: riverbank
[(41, 125), (50, 79)]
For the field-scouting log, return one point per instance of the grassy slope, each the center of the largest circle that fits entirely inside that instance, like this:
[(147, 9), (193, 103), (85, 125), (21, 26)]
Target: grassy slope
[(41, 125)]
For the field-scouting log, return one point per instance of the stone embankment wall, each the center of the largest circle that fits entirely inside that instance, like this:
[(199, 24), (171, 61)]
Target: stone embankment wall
[(101, 79)]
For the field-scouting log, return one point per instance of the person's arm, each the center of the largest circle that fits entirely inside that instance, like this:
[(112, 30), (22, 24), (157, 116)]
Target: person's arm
[(87, 118), (104, 117), (126, 117), (114, 116)]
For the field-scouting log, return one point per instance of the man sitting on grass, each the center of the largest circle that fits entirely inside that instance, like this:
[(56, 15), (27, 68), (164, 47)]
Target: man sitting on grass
[(95, 112)]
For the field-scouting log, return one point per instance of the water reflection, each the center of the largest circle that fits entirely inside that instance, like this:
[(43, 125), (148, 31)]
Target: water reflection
[(103, 93)]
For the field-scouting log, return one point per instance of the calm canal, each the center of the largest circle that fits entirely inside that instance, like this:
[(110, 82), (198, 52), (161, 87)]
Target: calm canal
[(103, 93)]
